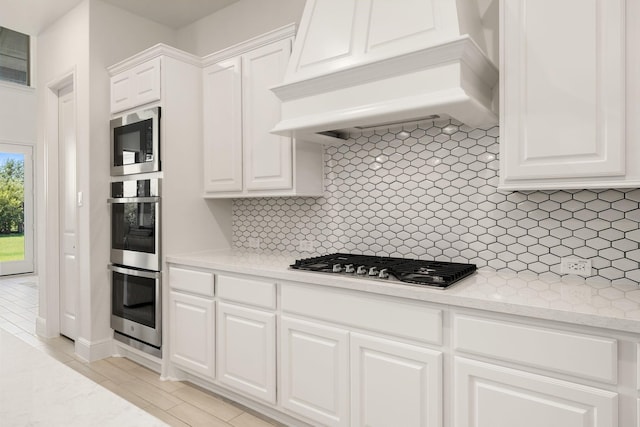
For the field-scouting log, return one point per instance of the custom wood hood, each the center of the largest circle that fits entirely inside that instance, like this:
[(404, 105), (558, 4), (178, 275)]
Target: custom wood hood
[(358, 64)]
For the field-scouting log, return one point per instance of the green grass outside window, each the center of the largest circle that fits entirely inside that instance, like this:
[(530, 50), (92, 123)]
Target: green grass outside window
[(11, 247)]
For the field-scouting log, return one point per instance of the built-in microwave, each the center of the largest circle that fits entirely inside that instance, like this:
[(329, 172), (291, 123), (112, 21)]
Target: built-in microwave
[(135, 142), (135, 223)]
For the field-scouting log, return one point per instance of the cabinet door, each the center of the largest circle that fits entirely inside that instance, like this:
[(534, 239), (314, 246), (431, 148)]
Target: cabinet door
[(247, 350), (222, 107), (492, 396), (314, 371), (191, 332), (268, 159), (394, 384), (563, 87), (137, 86)]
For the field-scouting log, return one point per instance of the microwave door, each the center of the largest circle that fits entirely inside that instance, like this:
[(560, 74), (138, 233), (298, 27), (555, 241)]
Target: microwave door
[(135, 143)]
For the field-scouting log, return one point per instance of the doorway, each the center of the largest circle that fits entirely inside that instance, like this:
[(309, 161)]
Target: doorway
[(16, 209)]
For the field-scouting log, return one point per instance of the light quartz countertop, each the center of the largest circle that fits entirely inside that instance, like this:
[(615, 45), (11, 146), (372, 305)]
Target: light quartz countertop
[(570, 299), (37, 390)]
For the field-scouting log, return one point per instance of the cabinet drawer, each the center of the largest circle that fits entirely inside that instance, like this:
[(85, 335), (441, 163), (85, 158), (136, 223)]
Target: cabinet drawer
[(388, 315), (567, 352), (247, 291), (193, 281)]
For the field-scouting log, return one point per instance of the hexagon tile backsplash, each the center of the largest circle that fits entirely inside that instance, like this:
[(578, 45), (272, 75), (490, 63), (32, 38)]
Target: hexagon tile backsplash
[(429, 191)]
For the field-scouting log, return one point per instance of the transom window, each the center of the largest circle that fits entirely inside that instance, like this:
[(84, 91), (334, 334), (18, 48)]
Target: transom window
[(14, 56)]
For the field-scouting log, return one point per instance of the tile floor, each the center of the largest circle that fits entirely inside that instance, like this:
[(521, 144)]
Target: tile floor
[(176, 403)]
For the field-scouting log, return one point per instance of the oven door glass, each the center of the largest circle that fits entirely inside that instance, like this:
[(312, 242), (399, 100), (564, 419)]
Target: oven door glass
[(133, 226), (134, 298), (135, 231)]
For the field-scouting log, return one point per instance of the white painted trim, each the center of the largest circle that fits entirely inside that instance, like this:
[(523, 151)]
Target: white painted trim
[(50, 277), (278, 34), (17, 87), (93, 350), (41, 327), (155, 51)]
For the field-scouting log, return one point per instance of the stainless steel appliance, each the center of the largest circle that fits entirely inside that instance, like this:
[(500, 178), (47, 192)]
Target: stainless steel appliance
[(416, 272), (135, 142), (136, 307), (135, 223)]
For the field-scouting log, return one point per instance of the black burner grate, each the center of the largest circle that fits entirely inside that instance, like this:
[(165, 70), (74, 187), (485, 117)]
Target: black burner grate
[(417, 272)]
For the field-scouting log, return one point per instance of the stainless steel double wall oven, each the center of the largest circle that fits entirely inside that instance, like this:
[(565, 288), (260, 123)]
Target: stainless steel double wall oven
[(136, 260)]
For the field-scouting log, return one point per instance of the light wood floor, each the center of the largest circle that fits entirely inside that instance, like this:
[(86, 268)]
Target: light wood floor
[(176, 403)]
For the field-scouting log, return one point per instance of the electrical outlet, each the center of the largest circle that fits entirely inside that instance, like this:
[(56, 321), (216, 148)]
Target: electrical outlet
[(576, 294), (579, 266), (254, 242), (305, 246)]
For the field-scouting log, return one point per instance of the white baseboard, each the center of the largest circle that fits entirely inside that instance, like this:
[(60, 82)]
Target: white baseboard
[(94, 350), (41, 328)]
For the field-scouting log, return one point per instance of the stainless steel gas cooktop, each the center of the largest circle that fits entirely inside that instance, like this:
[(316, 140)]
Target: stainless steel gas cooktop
[(436, 274)]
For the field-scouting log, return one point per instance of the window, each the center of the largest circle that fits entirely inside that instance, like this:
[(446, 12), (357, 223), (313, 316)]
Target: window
[(14, 56)]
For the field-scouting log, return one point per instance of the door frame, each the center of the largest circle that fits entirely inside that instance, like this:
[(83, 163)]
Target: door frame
[(48, 321), (17, 267)]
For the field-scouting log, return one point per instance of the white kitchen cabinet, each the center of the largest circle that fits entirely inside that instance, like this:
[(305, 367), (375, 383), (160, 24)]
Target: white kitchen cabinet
[(136, 86), (563, 95), (488, 395), (331, 372), (242, 158), (247, 350), (222, 84), (314, 369), (394, 384), (191, 333)]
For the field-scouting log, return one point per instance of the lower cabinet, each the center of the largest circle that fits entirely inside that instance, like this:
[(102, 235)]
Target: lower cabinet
[(489, 395), (323, 356), (191, 333), (394, 384), (341, 378), (247, 350), (314, 362)]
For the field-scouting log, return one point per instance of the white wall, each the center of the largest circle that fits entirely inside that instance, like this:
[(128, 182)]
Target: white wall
[(83, 42), (236, 23), (63, 49)]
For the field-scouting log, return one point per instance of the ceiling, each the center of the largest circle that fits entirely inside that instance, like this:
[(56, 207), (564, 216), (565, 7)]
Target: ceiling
[(172, 13), (32, 16)]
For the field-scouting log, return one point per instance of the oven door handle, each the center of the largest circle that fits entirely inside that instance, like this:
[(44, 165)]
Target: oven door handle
[(132, 272), (134, 200)]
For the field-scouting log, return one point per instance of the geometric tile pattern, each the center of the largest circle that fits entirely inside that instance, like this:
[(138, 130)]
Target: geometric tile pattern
[(429, 191)]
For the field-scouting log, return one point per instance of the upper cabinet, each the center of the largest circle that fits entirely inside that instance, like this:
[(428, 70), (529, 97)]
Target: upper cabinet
[(565, 74), (242, 158), (136, 86)]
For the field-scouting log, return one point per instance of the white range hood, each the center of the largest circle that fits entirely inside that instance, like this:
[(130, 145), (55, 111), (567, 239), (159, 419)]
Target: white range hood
[(359, 64)]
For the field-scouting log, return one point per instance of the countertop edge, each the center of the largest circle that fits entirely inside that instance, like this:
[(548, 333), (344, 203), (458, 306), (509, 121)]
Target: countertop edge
[(451, 297)]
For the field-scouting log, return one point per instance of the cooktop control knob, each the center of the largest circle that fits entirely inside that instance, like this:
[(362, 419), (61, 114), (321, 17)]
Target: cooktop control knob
[(373, 271), (383, 274), (349, 268), (337, 268), (362, 270)]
